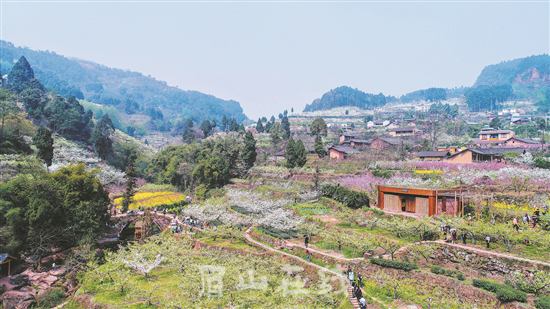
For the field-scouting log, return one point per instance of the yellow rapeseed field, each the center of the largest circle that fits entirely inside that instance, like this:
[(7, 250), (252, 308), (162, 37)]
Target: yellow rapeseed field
[(152, 199)]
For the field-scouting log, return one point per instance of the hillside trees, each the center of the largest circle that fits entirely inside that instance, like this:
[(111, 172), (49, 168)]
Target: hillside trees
[(21, 76), (487, 97), (318, 145), (13, 126), (290, 154), (101, 138), (249, 150), (34, 101), (276, 132), (59, 209), (295, 154), (188, 134), (318, 126), (68, 118), (259, 126), (44, 142), (346, 96), (130, 186), (286, 127), (206, 128)]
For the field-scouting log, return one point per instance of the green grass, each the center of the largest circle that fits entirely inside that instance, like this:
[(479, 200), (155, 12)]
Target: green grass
[(311, 209)]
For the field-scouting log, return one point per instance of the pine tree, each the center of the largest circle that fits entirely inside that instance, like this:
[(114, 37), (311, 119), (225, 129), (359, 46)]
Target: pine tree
[(188, 135), (101, 138), (249, 151), (319, 150), (128, 196), (224, 123), (21, 75), (318, 126), (290, 154), (259, 126), (206, 128), (300, 154), (44, 142), (275, 132), (286, 126)]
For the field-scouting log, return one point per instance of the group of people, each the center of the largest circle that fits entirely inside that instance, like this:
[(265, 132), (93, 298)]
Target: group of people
[(533, 220), (356, 284)]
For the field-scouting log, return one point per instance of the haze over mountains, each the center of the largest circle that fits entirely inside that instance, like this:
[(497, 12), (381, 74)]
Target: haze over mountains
[(528, 77), (130, 91)]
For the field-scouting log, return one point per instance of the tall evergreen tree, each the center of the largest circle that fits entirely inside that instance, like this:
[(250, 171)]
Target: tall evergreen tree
[(224, 123), (101, 138), (290, 153), (259, 126), (206, 128), (130, 190), (286, 126), (233, 125), (249, 151), (318, 126), (275, 132), (21, 75), (300, 154), (319, 150), (44, 142), (188, 134)]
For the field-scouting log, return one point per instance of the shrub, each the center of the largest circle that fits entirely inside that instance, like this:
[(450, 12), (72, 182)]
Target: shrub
[(278, 233), (349, 198), (505, 293), (407, 266), (460, 277), (382, 173), (51, 298), (542, 302)]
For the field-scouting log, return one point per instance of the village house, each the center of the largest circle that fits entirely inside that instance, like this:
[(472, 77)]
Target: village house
[(341, 152), (420, 201), (515, 142), (489, 137), (377, 124), (347, 137), (433, 155), (482, 155), (383, 143), (406, 131), (452, 149)]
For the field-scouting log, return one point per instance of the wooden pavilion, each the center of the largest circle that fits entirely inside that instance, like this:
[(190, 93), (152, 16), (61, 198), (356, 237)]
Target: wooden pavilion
[(421, 201), (6, 259)]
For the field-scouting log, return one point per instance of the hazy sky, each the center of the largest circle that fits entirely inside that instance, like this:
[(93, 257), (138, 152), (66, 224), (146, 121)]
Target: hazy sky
[(272, 56)]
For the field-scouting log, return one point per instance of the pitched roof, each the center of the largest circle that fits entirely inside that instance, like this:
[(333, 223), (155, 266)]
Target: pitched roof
[(343, 149), (5, 256), (434, 154), (391, 140), (494, 131), (524, 140), (361, 141), (403, 129), (497, 151), (478, 141)]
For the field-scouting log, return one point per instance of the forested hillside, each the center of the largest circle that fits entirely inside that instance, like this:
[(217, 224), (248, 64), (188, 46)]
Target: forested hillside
[(531, 71), (131, 92), (346, 96)]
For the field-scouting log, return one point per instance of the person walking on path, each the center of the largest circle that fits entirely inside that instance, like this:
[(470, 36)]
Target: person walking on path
[(359, 280), (526, 219), (351, 276), (488, 240), (344, 268), (363, 303), (453, 236), (306, 240), (534, 218), (464, 237), (308, 256), (515, 224), (358, 292)]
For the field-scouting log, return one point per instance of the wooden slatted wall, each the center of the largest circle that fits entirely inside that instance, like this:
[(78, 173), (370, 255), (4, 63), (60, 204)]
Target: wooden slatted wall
[(392, 202), (422, 206)]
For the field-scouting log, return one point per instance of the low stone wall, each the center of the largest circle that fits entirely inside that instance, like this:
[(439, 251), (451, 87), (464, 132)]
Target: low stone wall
[(446, 256)]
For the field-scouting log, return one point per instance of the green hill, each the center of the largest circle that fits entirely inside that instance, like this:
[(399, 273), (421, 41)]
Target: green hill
[(346, 96), (130, 92)]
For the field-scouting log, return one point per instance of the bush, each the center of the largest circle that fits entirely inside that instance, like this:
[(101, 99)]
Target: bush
[(349, 198), (407, 266), (446, 272), (278, 233), (542, 302), (460, 277), (51, 298), (505, 293), (382, 173)]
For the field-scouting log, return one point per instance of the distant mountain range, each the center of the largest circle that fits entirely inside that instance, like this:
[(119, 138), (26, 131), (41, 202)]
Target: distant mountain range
[(128, 91), (529, 77)]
